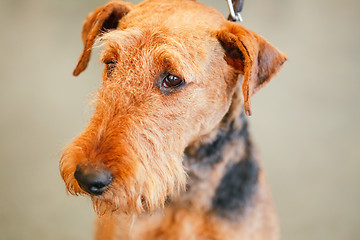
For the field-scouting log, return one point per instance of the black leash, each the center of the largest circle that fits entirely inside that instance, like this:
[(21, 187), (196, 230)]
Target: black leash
[(235, 7)]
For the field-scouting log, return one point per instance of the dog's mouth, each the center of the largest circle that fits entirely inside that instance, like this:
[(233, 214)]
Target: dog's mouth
[(124, 182), (114, 200), (109, 195)]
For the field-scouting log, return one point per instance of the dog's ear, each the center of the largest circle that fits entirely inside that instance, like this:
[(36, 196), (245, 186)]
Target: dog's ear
[(252, 56), (102, 19)]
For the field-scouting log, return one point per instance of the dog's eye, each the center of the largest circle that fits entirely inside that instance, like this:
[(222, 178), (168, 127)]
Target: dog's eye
[(171, 81), (110, 66)]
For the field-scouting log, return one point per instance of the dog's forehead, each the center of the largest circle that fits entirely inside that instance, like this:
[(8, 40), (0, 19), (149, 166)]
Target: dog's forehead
[(178, 15), (178, 33), (153, 48)]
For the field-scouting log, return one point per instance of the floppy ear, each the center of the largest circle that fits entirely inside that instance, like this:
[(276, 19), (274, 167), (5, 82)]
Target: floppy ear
[(252, 56), (102, 19)]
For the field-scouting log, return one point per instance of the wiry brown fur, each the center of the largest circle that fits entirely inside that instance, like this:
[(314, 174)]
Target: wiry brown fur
[(154, 142)]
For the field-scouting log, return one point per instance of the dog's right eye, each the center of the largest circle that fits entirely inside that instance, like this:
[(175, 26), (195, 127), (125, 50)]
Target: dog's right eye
[(110, 66)]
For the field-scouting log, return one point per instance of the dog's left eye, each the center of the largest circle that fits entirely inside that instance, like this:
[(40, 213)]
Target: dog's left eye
[(171, 81)]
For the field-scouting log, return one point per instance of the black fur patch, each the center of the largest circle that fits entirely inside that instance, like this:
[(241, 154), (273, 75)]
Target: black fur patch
[(237, 187), (212, 153)]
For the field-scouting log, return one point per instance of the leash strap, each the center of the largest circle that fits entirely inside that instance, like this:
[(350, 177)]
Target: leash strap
[(235, 7)]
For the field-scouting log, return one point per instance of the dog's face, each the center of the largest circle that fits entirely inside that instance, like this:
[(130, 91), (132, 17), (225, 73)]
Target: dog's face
[(171, 69)]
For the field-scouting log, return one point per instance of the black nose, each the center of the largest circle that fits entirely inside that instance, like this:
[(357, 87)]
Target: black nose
[(93, 180)]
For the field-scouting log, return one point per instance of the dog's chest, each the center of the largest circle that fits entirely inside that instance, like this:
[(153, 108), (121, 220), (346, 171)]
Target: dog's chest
[(179, 224)]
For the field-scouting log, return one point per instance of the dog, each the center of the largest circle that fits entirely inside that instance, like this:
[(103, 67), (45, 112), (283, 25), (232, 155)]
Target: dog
[(167, 153)]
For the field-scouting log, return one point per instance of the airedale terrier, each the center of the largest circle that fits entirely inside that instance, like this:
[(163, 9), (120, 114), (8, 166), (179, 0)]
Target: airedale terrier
[(167, 153)]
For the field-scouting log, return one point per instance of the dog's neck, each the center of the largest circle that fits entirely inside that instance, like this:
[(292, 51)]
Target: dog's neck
[(223, 171)]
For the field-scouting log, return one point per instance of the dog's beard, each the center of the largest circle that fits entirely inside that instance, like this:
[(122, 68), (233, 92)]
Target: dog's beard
[(145, 190), (146, 163)]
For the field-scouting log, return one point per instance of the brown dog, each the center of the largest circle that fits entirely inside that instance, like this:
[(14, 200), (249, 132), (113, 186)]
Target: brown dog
[(168, 142)]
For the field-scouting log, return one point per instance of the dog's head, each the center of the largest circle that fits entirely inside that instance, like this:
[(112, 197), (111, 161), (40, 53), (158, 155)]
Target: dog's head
[(171, 70)]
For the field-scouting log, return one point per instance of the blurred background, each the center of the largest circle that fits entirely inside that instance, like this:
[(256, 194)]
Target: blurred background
[(306, 121)]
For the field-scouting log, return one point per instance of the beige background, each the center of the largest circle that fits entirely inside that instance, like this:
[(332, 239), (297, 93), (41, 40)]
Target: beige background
[(306, 122)]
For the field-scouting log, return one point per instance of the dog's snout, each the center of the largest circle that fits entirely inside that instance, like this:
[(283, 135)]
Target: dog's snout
[(93, 180)]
